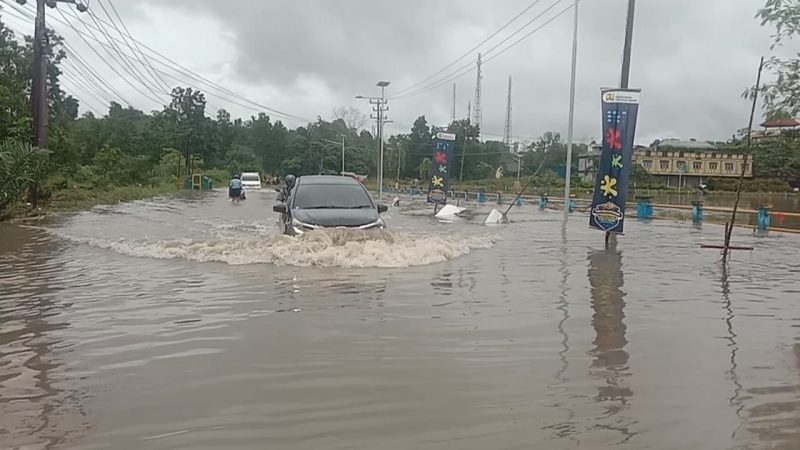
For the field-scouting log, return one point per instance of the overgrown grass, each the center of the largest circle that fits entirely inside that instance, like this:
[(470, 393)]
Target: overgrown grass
[(70, 196), (81, 197)]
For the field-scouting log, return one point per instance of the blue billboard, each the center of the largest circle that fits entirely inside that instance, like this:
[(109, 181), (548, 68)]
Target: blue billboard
[(620, 110), (443, 148)]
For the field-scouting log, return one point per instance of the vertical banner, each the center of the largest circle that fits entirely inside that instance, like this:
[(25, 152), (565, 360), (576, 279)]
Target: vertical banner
[(620, 108), (443, 147)]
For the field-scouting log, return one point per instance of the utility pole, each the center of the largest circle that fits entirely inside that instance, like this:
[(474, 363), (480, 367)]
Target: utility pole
[(453, 110), (40, 110), (476, 112), (342, 153), (379, 108), (571, 127), (469, 111), (508, 118), (39, 105)]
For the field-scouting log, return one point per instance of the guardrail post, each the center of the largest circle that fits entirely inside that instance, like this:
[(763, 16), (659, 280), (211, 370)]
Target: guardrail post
[(764, 217), (697, 211), (644, 208)]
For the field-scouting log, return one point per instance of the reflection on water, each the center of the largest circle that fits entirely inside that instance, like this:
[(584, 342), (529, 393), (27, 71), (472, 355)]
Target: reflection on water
[(611, 360), (30, 373), (163, 325), (731, 336)]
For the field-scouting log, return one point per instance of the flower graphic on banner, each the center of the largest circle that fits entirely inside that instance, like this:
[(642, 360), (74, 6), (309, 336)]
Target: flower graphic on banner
[(608, 186), (437, 181), (614, 139), (616, 161), (442, 169), (441, 157)]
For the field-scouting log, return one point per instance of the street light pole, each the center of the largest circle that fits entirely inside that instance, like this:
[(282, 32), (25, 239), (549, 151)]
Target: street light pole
[(382, 85), (570, 128), (379, 109), (342, 154)]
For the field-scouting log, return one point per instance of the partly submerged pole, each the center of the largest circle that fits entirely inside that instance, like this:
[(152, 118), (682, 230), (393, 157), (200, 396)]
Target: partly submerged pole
[(570, 129), (728, 230)]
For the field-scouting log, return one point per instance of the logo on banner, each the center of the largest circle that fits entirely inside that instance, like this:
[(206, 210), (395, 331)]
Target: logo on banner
[(437, 196), (607, 216), (629, 97)]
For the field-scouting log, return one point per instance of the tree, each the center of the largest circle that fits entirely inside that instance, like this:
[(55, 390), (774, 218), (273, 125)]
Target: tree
[(419, 145), (424, 168), (783, 93), (352, 117)]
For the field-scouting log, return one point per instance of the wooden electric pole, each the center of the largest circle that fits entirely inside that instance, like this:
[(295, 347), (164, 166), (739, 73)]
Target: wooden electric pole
[(39, 107)]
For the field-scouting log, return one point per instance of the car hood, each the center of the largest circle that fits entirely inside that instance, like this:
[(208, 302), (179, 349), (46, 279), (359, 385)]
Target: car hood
[(336, 217)]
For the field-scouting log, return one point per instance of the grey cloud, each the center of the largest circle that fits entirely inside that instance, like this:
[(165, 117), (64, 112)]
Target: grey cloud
[(691, 58)]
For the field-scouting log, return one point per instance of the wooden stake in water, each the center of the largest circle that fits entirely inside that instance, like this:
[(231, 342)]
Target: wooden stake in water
[(729, 229)]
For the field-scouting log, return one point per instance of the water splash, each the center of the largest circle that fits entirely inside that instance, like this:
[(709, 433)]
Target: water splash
[(325, 248)]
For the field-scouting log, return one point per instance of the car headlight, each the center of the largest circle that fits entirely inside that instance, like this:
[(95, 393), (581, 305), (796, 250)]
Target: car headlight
[(300, 227), (377, 224)]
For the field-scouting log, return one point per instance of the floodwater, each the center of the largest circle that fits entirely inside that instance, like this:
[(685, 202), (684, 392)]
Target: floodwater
[(187, 323)]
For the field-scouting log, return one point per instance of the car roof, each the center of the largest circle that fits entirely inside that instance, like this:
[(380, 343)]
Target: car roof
[(249, 173), (327, 179)]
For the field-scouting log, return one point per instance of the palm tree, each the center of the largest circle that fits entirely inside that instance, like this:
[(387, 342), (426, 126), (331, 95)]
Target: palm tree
[(424, 168)]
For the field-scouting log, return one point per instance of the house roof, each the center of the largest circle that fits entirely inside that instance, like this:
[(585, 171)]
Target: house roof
[(688, 145), (781, 123)]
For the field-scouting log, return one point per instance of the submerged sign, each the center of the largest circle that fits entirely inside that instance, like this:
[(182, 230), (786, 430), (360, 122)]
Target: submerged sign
[(620, 108), (443, 147)]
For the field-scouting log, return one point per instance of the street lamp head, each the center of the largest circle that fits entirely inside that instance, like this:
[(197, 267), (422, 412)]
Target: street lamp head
[(383, 83)]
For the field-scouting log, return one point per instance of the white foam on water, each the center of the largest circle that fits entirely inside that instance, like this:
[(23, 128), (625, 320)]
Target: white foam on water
[(326, 248)]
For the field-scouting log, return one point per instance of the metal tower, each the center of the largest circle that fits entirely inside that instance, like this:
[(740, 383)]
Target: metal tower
[(507, 136), (477, 116)]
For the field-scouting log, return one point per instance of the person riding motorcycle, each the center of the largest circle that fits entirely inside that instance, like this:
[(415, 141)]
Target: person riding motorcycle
[(287, 188)]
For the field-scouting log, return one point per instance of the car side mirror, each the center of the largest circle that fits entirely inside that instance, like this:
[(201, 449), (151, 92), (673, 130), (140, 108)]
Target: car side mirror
[(280, 208), (382, 208)]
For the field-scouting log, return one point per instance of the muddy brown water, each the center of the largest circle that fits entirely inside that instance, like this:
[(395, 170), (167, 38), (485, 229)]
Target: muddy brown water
[(187, 323)]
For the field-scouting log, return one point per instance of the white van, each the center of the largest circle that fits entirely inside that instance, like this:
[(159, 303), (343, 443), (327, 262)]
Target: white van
[(251, 180)]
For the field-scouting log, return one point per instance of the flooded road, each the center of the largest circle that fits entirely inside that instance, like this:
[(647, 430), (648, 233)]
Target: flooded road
[(188, 323)]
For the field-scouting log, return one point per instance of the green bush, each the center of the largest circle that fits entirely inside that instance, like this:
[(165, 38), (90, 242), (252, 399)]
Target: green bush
[(21, 166), (220, 177)]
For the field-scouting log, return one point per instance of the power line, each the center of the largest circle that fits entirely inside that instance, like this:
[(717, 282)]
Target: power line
[(130, 68), (171, 64), (174, 66), (470, 51), (467, 68), (81, 35), (148, 67)]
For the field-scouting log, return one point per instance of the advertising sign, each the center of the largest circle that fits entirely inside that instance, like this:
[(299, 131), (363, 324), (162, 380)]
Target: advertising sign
[(620, 109), (443, 147)]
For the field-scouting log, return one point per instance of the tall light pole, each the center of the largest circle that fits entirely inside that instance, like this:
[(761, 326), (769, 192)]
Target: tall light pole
[(570, 128), (380, 108)]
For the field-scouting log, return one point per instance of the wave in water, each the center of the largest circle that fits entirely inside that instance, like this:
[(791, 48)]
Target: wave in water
[(326, 248)]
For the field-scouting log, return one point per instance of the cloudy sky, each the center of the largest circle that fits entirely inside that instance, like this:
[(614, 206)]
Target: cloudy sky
[(691, 58)]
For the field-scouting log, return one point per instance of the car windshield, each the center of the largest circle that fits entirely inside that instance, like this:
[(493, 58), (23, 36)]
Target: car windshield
[(331, 196), (250, 178)]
